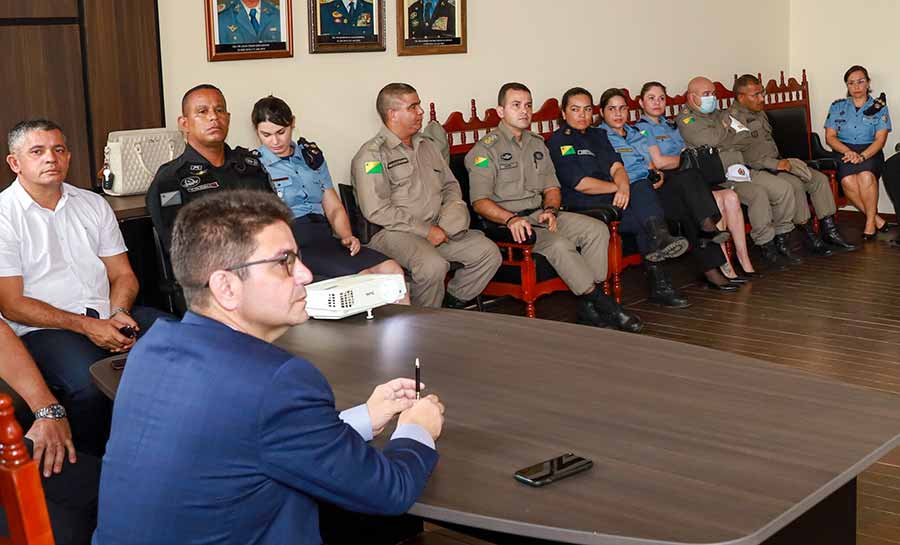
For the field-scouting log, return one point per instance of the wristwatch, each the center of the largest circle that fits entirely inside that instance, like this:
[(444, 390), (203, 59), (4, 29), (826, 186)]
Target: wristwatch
[(552, 209), (51, 412), (118, 310)]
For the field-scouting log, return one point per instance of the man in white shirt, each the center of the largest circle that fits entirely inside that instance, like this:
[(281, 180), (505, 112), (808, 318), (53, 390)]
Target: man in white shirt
[(66, 286)]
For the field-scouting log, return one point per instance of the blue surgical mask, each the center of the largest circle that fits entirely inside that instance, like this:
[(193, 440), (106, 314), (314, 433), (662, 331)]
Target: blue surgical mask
[(708, 104)]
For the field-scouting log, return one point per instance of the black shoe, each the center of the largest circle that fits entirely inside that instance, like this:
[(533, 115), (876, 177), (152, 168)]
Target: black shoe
[(661, 290), (716, 236), (876, 106), (770, 256), (869, 237), (832, 236), (783, 246), (888, 225), (740, 280), (726, 287), (612, 313), (894, 243), (453, 302), (813, 242), (755, 275)]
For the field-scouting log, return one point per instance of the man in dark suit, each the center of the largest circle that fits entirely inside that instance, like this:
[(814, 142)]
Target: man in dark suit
[(221, 437), (346, 18), (432, 19)]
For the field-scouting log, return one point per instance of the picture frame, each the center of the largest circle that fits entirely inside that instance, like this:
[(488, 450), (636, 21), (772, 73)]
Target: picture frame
[(442, 31), (344, 26), (231, 34)]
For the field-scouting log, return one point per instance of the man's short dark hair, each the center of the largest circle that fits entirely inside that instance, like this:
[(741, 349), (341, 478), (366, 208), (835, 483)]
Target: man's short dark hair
[(743, 82), (507, 87), (574, 92), (388, 95), (217, 232), (272, 109), (194, 89), (16, 134)]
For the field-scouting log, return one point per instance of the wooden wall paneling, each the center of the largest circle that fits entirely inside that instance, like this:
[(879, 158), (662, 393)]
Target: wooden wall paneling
[(124, 84), (27, 9), (44, 74)]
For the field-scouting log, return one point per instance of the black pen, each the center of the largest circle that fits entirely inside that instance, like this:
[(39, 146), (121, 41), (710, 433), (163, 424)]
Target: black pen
[(418, 378)]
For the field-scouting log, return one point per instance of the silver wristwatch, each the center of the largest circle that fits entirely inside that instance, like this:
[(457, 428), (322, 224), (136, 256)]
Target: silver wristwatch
[(51, 412)]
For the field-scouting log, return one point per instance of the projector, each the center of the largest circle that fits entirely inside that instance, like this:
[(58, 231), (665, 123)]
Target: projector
[(344, 296)]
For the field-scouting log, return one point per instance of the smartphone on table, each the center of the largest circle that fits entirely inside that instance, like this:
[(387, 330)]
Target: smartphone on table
[(553, 469)]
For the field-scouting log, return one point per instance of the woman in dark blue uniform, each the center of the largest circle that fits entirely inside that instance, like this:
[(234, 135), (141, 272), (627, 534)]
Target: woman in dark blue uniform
[(857, 128), (301, 178), (592, 174)]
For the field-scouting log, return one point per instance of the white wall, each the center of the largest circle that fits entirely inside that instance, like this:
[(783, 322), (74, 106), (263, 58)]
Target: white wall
[(822, 42), (549, 45)]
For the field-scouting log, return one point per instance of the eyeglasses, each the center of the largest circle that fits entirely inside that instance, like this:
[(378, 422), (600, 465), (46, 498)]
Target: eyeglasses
[(857, 82), (287, 259)]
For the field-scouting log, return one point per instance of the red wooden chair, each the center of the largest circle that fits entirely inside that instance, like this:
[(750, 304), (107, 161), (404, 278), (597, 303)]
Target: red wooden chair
[(20, 485)]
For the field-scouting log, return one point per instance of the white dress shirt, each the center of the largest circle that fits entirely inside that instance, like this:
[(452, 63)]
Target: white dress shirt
[(57, 252)]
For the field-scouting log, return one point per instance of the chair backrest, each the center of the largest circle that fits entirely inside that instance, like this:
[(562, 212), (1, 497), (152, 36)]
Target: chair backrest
[(20, 485), (361, 227)]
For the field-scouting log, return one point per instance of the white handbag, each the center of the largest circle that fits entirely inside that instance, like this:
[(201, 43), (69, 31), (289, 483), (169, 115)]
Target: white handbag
[(131, 158)]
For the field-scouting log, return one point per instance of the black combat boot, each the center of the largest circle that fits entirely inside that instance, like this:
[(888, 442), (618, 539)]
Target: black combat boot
[(661, 290), (783, 246), (601, 310), (452, 302), (813, 242), (770, 256), (832, 236), (662, 244)]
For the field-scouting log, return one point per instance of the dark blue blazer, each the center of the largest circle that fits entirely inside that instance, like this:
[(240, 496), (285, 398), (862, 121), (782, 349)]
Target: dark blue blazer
[(219, 437)]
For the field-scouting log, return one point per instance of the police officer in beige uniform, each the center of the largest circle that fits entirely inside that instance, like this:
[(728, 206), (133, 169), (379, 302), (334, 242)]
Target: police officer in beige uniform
[(770, 199), (513, 183), (762, 154), (404, 185)]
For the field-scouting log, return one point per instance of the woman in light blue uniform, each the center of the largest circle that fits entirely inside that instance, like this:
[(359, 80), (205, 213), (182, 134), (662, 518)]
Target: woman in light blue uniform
[(857, 128), (300, 176)]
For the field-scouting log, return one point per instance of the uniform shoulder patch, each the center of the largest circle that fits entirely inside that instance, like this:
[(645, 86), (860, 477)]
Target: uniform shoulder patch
[(489, 139), (482, 162), (374, 167), (688, 120)]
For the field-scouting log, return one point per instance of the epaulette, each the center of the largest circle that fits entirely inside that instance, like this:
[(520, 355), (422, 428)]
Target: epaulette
[(243, 157), (311, 153), (837, 101), (375, 143)]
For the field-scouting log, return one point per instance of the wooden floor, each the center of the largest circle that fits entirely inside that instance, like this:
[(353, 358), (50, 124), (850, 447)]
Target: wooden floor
[(836, 317)]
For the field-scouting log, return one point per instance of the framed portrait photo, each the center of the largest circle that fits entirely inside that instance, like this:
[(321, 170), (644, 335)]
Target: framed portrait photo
[(248, 29), (337, 26), (431, 27)]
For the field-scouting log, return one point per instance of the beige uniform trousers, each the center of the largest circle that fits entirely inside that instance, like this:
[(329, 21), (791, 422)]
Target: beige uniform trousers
[(819, 191), (770, 205), (428, 265), (580, 271)]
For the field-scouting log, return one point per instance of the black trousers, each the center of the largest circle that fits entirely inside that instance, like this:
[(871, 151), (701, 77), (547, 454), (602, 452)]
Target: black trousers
[(71, 500), (688, 199), (891, 178)]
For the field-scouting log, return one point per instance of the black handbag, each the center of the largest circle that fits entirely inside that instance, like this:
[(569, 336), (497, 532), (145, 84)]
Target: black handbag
[(704, 159)]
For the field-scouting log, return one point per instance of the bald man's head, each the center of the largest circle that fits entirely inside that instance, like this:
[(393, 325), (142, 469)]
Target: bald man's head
[(698, 87)]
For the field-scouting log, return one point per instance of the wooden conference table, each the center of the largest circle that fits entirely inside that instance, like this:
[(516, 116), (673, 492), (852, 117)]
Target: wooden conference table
[(690, 445)]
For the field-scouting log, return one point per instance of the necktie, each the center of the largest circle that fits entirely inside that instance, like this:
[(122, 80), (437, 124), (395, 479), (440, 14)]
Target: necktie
[(429, 9), (253, 22), (352, 8)]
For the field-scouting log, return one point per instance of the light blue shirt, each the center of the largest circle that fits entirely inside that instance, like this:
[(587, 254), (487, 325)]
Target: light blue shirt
[(299, 186), (634, 148), (358, 419), (852, 125), (664, 134)]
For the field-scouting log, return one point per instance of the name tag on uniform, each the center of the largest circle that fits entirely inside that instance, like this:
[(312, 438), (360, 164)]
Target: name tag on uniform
[(625, 150), (586, 152), (397, 162), (170, 198), (505, 166)]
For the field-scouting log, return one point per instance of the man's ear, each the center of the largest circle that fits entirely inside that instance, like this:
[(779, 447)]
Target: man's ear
[(182, 124), (226, 289), (13, 163), (499, 111)]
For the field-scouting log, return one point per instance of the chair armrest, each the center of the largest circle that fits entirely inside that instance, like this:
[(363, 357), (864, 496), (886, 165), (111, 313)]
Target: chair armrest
[(361, 227), (606, 214), (502, 235), (823, 164), (821, 152)]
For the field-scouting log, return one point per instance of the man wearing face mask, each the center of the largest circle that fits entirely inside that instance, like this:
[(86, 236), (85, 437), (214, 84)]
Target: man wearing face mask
[(769, 199)]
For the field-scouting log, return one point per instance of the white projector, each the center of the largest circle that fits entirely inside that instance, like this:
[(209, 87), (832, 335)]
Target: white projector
[(348, 295)]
